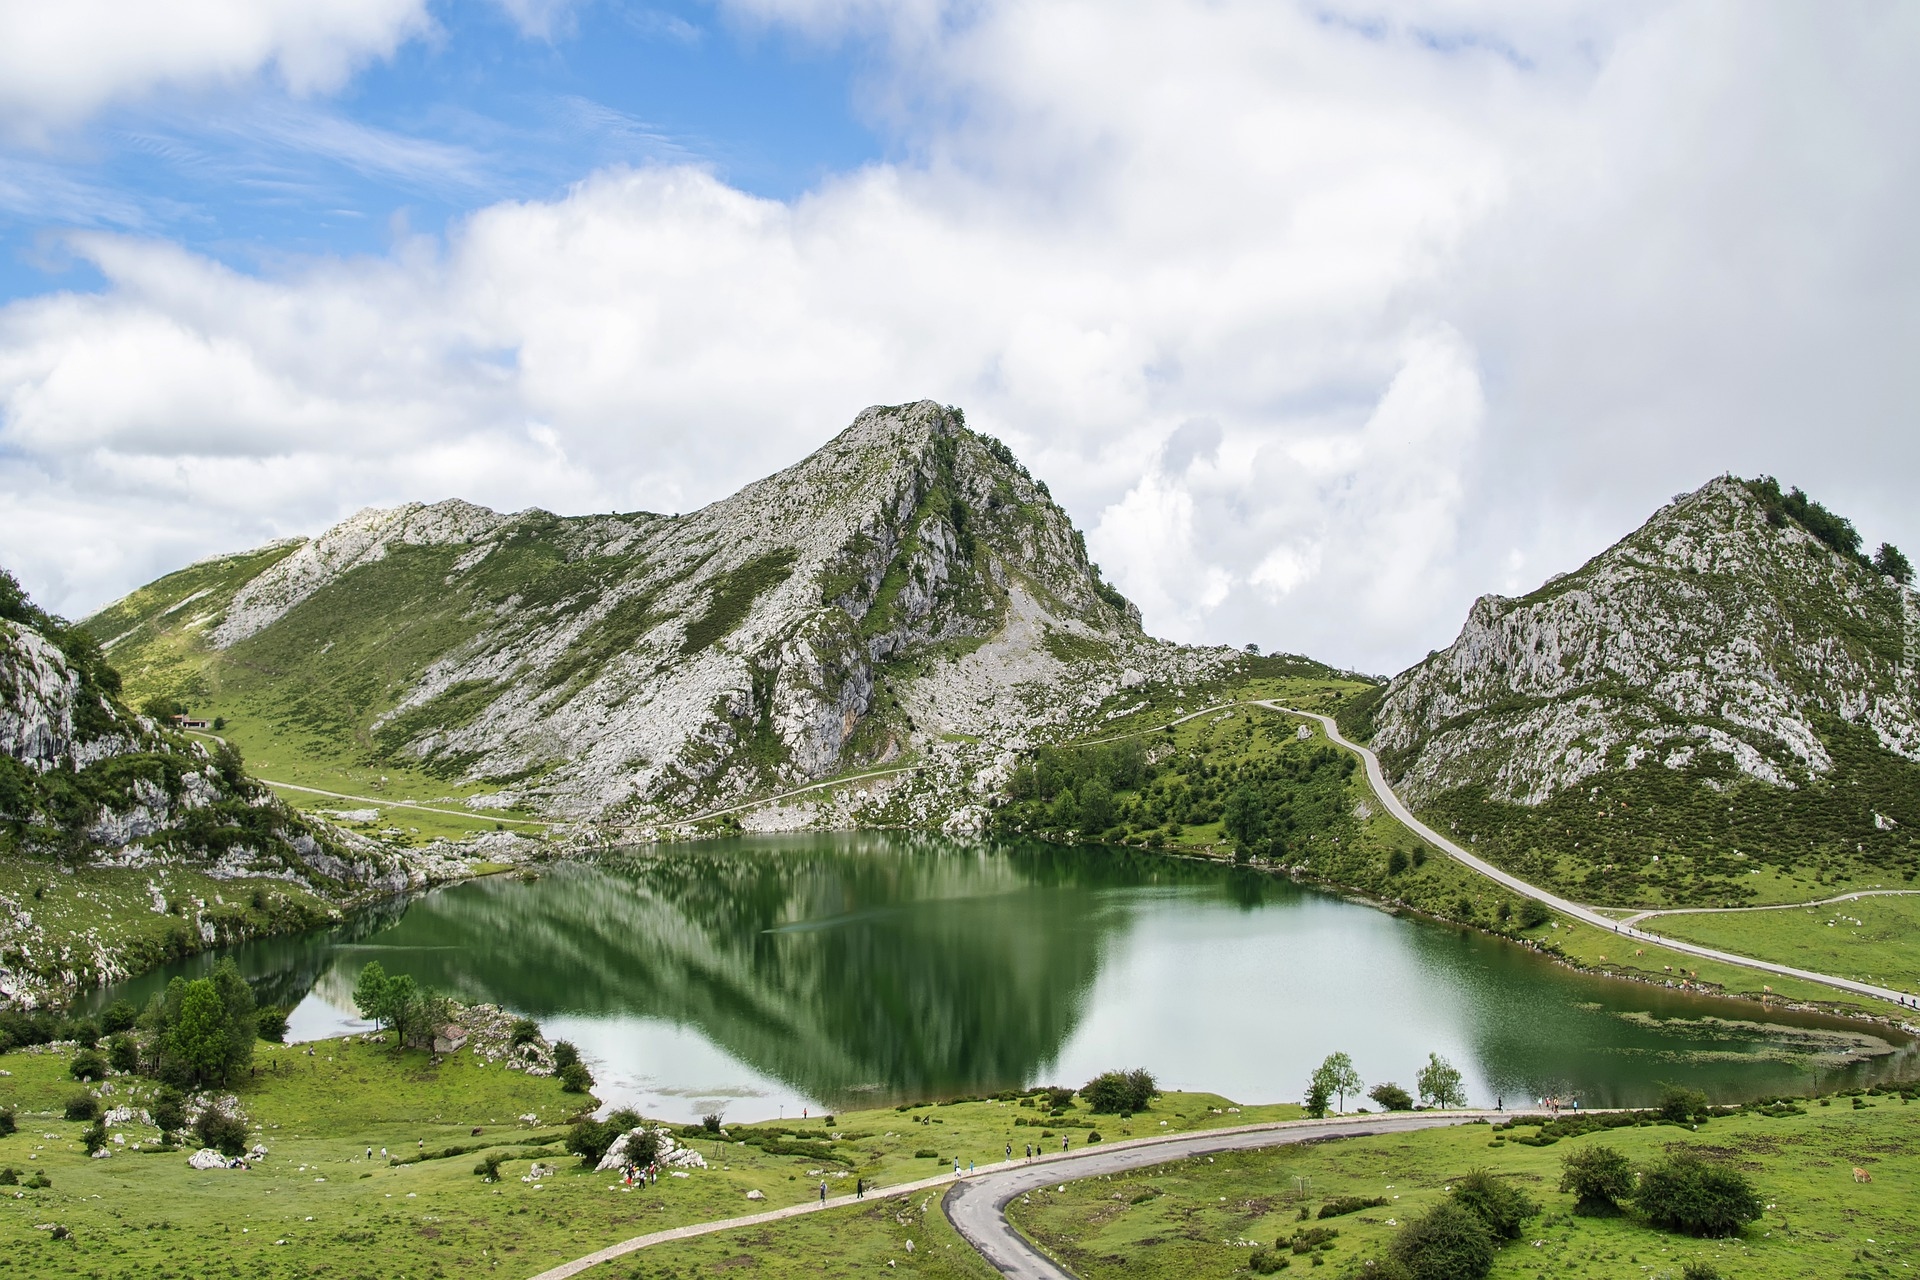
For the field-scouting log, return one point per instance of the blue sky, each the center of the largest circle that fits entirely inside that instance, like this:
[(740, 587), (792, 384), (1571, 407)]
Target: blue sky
[(479, 111)]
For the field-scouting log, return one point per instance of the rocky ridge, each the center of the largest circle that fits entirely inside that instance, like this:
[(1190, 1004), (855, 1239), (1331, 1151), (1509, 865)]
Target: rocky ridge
[(1713, 636), (909, 590), (86, 783)]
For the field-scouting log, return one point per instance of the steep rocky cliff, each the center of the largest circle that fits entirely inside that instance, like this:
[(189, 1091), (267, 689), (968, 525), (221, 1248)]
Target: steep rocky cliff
[(908, 589), (1730, 685), (89, 786)]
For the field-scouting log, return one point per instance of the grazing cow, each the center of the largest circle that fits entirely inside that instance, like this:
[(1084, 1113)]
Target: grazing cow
[(1861, 1175)]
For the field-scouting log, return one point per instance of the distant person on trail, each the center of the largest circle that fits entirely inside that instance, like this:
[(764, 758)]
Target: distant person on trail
[(823, 1191), (956, 1166), (859, 1188), (1065, 1142), (1009, 1152)]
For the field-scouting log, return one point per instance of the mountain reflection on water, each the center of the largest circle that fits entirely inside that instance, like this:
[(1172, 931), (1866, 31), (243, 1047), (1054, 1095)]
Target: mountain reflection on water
[(870, 967)]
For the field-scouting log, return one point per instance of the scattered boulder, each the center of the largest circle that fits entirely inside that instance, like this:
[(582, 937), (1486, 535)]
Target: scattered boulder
[(208, 1158)]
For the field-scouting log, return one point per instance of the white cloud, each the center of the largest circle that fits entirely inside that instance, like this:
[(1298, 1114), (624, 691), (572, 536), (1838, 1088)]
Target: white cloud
[(1311, 317), (59, 62)]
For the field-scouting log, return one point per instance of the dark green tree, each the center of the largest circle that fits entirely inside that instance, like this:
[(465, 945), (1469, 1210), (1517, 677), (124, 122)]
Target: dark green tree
[(1888, 562), (1391, 1096)]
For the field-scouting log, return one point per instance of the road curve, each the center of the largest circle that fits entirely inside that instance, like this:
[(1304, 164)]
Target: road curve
[(1063, 1166), (1378, 779), (977, 1206)]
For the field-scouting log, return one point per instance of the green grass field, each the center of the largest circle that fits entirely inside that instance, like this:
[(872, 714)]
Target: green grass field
[(1200, 1218), (319, 1206), (1868, 939)]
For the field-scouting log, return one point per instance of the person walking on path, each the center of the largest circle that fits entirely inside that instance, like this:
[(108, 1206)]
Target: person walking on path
[(956, 1166), (1009, 1153), (859, 1188), (1065, 1142), (823, 1191)]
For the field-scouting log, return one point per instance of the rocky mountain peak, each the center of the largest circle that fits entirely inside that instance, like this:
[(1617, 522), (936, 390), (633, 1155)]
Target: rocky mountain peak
[(1721, 628)]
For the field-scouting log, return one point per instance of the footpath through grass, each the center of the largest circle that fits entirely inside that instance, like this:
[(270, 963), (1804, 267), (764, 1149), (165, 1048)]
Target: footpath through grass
[(1202, 1217), (1868, 939), (318, 1205)]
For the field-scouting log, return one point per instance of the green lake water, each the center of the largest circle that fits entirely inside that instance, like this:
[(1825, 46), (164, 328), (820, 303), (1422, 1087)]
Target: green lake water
[(761, 975)]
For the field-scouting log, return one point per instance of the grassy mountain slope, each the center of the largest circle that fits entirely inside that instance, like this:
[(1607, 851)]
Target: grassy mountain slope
[(1718, 709), (908, 592), (123, 843)]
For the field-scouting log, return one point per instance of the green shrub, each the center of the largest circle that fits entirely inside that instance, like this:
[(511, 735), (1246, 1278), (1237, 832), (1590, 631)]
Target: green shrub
[(123, 1052), (271, 1025), (82, 1106), (489, 1166), (9, 1177), (1350, 1204), (223, 1131), (1447, 1242), (1504, 1207), (9, 1123), (120, 1016), (1114, 1092), (87, 1065), (95, 1137), (564, 1053), (1688, 1193), (1391, 1096), (711, 1122), (575, 1078), (1265, 1262), (926, 1153), (1697, 1270), (169, 1109), (1533, 913), (1682, 1105), (37, 1181), (525, 1031), (1599, 1178)]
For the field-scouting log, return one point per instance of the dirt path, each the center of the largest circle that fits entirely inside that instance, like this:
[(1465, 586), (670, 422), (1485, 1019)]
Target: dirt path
[(1770, 906)]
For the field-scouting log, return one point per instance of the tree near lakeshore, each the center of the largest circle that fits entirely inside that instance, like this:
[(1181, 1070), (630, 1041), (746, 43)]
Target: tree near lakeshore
[(1391, 1096), (1440, 1083), (1336, 1073)]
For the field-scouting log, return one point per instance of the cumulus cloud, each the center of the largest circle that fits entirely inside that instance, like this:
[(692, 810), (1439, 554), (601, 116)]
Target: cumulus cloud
[(1322, 322), (59, 62)]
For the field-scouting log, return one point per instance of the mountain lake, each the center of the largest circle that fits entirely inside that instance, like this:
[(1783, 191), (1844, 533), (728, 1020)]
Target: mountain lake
[(760, 975)]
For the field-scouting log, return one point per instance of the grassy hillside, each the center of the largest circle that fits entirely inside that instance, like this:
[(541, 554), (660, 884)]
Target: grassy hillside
[(1201, 1218), (318, 1205)]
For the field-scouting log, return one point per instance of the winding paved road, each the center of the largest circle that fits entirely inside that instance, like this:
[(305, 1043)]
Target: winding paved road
[(977, 1206), (1587, 915), (979, 1200)]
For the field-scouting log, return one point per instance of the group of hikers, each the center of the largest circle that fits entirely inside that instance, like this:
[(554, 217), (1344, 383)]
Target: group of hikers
[(640, 1176)]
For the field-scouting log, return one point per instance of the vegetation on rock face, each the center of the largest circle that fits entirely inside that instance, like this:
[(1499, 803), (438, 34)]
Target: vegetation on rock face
[(1719, 709), (91, 793)]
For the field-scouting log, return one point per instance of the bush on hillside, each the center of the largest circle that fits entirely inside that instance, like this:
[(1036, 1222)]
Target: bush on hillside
[(1599, 1178), (271, 1025), (123, 1051), (82, 1106), (1682, 1105), (169, 1109), (224, 1131), (1447, 1242), (120, 1016), (9, 1122), (1504, 1207), (1688, 1193), (1119, 1092), (575, 1078), (87, 1065)]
